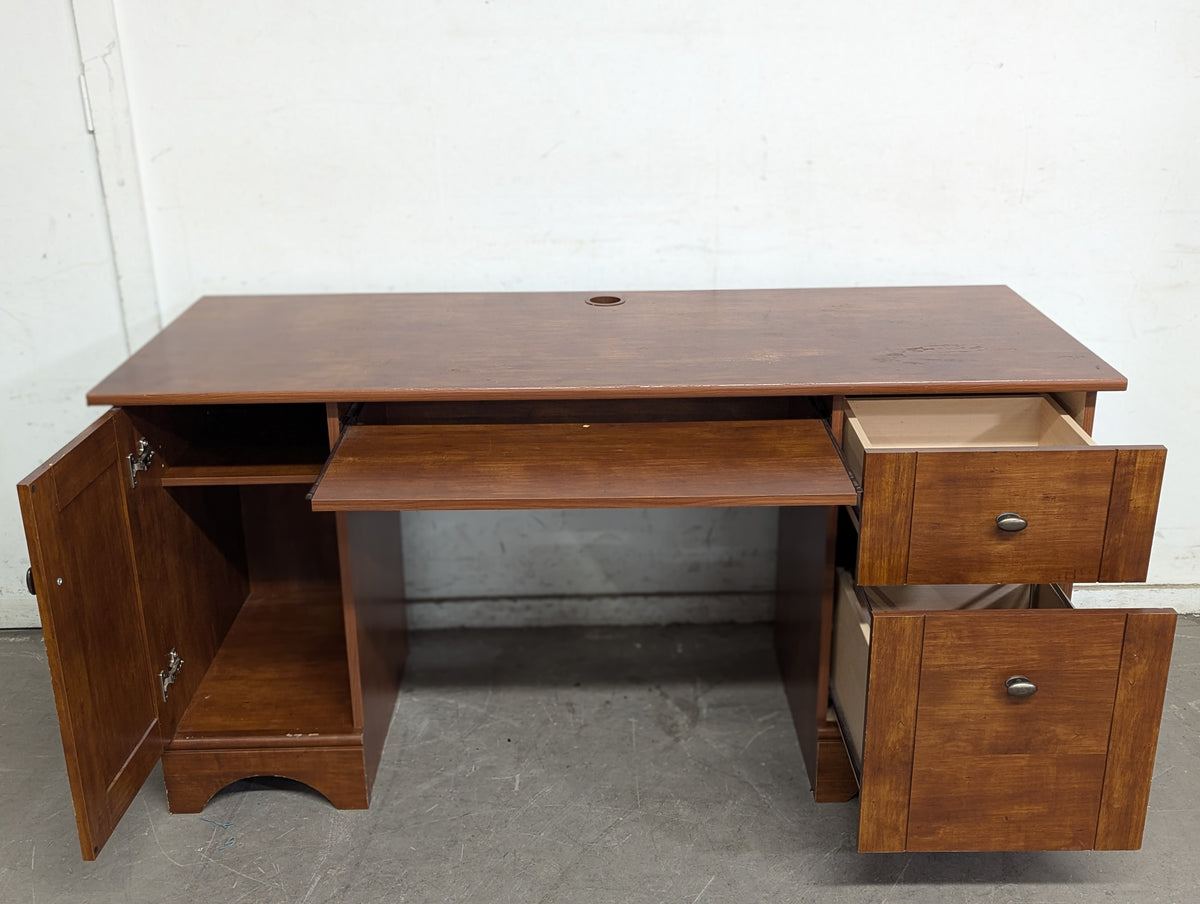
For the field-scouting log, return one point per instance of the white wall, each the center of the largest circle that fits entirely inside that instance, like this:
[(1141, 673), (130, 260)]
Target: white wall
[(314, 145), (61, 322)]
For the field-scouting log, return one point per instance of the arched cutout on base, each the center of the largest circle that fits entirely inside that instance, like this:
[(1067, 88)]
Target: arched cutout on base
[(267, 782), (194, 776)]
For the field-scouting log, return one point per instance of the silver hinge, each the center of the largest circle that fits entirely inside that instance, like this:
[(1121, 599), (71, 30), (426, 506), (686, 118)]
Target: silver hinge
[(168, 675), (139, 460)]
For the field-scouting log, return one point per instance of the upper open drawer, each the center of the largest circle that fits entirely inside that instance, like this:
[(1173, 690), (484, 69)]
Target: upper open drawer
[(599, 465), (991, 489)]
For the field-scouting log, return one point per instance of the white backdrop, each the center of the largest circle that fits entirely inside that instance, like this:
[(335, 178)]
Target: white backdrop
[(314, 145), (60, 313)]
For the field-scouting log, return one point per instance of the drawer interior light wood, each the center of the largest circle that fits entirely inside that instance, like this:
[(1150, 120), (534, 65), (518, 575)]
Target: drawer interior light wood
[(851, 654), (957, 422)]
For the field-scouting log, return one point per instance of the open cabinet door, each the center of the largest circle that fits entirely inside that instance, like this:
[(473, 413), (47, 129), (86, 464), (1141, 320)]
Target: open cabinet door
[(82, 553)]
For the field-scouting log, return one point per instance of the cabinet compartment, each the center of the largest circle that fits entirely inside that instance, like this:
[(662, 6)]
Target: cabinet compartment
[(987, 489), (277, 698), (232, 445), (949, 758), (280, 674), (237, 585), (275, 701)]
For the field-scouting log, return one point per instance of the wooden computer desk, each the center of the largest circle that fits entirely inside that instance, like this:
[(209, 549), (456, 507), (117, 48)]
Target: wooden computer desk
[(217, 559)]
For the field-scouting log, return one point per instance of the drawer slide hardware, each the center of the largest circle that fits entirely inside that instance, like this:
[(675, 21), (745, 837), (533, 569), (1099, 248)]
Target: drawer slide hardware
[(1011, 522), (168, 675), (139, 460), (1020, 686)]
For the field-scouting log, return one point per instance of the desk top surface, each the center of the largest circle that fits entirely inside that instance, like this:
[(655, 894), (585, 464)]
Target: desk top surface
[(485, 346)]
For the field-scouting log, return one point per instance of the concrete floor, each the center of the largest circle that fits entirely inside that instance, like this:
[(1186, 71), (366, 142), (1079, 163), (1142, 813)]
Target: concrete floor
[(559, 765)]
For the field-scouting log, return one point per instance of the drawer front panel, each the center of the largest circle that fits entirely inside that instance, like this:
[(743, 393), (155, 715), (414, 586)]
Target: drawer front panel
[(992, 771), (1051, 803), (957, 496), (952, 761), (936, 473), (965, 709)]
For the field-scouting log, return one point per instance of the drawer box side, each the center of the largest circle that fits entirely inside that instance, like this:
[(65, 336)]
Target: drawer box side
[(851, 655)]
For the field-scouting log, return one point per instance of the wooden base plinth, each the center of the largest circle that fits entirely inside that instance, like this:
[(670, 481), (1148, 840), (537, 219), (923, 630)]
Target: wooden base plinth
[(194, 776), (835, 782)]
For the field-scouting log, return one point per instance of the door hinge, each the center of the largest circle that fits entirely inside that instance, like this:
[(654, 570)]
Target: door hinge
[(168, 675), (139, 460)]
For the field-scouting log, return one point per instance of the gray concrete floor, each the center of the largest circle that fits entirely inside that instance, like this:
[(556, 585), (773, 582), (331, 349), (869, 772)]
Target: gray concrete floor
[(556, 765)]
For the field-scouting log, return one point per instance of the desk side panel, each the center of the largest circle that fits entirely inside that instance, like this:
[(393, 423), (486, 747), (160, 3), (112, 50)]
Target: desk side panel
[(803, 640), (369, 545)]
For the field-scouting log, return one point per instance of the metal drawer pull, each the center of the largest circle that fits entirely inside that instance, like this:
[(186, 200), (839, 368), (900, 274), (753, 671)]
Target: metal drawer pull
[(1011, 521), (1020, 686)]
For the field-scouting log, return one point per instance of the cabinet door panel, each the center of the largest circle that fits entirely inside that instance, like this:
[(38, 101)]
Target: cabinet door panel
[(77, 526)]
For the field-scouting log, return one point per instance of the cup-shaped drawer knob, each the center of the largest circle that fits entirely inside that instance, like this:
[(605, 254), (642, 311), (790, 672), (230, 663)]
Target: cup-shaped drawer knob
[(1011, 522), (1020, 686)]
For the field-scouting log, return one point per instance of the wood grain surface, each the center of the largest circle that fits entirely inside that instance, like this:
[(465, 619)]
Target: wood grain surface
[(370, 546), (803, 632), (994, 772), (1132, 512), (553, 344), (887, 769), (82, 554), (193, 776), (886, 520), (1141, 690), (278, 680), (1063, 494), (536, 466)]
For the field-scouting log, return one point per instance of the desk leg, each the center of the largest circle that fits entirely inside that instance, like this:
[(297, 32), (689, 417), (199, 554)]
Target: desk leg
[(376, 631), (803, 640)]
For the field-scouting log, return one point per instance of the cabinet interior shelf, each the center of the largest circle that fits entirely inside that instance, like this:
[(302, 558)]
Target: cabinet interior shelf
[(229, 445), (241, 474), (279, 679)]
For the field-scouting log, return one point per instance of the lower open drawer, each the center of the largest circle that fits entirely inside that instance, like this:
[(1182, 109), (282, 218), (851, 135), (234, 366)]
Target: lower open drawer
[(1016, 723)]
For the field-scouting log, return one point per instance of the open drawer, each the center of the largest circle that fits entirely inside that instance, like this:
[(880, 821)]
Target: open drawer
[(1020, 724), (988, 489)]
